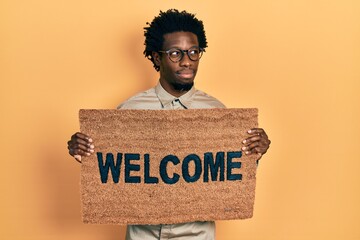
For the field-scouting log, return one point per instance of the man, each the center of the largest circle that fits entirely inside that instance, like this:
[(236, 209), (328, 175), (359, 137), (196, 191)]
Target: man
[(175, 42)]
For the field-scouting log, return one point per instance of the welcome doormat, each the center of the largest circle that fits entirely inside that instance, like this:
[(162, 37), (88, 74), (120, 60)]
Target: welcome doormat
[(167, 166)]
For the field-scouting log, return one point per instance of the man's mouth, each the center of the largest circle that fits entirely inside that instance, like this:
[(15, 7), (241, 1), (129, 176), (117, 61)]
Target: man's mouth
[(188, 73)]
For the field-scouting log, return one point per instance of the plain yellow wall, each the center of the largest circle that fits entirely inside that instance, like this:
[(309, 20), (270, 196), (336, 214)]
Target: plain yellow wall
[(297, 61)]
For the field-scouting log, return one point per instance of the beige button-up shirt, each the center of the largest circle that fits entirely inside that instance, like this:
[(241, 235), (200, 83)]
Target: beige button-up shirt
[(157, 98)]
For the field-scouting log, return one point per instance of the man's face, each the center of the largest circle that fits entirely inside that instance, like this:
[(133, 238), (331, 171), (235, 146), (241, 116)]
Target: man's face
[(178, 77)]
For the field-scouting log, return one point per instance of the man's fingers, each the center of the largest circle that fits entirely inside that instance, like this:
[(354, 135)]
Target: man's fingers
[(80, 152), (75, 145), (83, 142), (257, 143), (81, 136), (258, 131), (77, 148), (80, 144), (250, 140), (250, 147), (256, 150)]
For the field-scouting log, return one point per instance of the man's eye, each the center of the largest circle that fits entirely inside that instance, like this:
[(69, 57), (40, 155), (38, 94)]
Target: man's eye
[(194, 52), (175, 53)]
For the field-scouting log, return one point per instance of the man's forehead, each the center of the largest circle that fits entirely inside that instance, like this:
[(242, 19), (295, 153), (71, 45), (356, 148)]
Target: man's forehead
[(178, 39)]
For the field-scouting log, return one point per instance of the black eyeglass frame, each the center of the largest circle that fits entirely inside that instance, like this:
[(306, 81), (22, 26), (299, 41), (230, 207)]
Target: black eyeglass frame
[(201, 51)]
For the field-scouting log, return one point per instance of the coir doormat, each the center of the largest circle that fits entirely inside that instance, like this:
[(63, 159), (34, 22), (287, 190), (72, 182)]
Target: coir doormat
[(167, 166)]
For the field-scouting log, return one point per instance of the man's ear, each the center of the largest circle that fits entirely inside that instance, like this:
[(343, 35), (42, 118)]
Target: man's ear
[(157, 58)]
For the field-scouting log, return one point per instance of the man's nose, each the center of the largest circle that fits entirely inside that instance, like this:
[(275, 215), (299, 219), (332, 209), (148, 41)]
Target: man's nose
[(185, 61)]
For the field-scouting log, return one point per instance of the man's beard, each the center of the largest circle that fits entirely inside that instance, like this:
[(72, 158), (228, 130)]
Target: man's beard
[(183, 87)]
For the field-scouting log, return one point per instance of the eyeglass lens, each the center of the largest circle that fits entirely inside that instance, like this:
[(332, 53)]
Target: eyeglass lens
[(177, 54)]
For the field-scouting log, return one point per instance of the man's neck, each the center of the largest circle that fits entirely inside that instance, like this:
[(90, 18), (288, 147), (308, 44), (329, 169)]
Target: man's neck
[(171, 89)]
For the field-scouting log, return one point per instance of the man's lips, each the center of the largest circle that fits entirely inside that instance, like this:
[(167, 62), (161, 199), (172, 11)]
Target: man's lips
[(187, 73)]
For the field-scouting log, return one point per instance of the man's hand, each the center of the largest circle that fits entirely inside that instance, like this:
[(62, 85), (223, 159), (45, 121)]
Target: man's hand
[(258, 142), (80, 145)]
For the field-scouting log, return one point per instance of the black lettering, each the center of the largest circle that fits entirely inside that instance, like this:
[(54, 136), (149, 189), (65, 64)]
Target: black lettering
[(147, 177), (230, 165), (109, 163), (215, 168), (163, 173), (185, 168), (131, 167)]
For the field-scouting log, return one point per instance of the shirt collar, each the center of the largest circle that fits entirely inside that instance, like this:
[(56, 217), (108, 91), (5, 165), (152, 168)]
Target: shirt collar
[(166, 98)]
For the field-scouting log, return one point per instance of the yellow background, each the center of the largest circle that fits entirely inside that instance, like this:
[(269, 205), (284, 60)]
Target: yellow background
[(297, 61)]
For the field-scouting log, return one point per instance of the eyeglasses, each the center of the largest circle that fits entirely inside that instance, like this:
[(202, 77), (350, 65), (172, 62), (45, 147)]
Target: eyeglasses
[(176, 55)]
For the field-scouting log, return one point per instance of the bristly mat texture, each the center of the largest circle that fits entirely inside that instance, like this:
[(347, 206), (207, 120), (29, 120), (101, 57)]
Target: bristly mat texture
[(166, 167)]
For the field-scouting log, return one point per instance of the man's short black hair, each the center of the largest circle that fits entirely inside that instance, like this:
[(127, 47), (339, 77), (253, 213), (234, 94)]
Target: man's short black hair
[(168, 22)]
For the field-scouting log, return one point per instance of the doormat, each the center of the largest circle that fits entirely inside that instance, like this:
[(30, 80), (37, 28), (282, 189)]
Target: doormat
[(167, 166)]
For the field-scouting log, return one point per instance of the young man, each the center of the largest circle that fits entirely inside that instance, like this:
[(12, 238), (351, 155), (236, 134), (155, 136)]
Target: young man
[(175, 42)]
